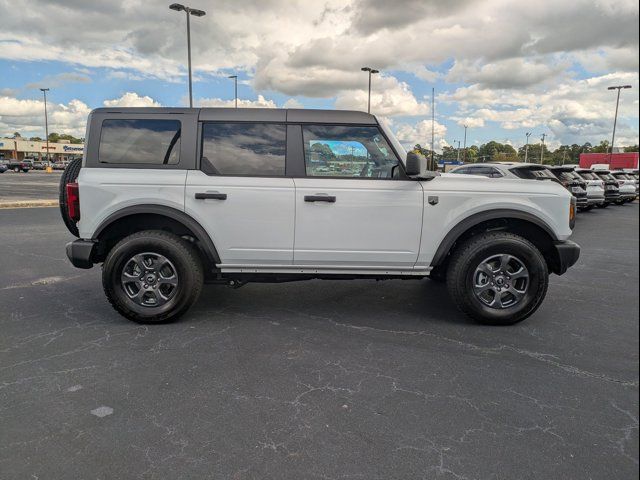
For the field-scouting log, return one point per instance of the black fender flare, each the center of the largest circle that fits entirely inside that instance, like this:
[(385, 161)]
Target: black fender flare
[(189, 222), (476, 219)]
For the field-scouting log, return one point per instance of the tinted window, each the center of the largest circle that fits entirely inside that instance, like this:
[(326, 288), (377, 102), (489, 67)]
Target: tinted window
[(256, 149), (347, 151), (533, 174), (153, 142), (588, 176)]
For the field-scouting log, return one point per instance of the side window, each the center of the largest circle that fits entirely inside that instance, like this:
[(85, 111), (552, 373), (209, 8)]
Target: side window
[(252, 149), (495, 173), (144, 141), (347, 152)]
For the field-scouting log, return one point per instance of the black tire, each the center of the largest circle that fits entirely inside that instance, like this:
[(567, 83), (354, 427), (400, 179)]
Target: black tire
[(588, 208), (468, 257), (182, 256), (603, 205), (69, 175)]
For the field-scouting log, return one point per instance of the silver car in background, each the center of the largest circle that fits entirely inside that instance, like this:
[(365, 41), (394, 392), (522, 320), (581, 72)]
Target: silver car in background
[(595, 187)]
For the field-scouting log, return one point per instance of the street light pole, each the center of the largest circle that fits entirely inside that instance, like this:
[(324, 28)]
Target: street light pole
[(464, 158), (235, 81), (542, 148), (458, 157), (46, 121), (615, 118), (196, 13), (371, 72), (526, 148)]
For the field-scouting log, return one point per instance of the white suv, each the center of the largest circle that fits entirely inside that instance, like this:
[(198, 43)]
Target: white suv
[(168, 199)]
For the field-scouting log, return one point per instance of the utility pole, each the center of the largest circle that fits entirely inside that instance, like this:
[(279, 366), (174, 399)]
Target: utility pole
[(46, 121), (196, 13), (433, 125), (458, 156), (235, 81), (542, 148), (464, 158), (615, 118), (526, 148), (371, 72)]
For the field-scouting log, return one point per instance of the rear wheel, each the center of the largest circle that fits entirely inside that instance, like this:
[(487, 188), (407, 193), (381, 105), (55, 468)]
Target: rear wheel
[(603, 205), (152, 276), (69, 175), (588, 208), (498, 278)]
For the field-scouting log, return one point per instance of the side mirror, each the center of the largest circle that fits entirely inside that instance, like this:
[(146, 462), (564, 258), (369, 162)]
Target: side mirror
[(416, 167), (416, 164)]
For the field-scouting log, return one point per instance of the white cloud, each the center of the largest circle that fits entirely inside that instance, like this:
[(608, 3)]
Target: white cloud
[(420, 132), (389, 97), (132, 99), (260, 102)]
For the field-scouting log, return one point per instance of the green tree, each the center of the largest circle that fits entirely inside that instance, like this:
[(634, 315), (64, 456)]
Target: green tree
[(631, 148)]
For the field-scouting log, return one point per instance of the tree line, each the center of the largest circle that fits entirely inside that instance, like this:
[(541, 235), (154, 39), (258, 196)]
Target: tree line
[(503, 152), (53, 138)]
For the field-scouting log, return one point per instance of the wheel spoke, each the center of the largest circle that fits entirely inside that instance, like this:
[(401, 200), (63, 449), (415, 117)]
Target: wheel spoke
[(504, 262), (522, 273), (497, 300), (517, 294), (173, 280), (156, 271)]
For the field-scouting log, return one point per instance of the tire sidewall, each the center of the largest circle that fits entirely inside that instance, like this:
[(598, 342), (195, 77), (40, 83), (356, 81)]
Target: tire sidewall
[(538, 280), (118, 258)]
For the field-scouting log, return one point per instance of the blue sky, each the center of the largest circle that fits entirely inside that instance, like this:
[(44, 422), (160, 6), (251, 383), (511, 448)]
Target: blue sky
[(499, 67)]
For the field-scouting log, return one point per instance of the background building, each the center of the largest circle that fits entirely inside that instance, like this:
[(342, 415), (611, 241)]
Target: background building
[(20, 148)]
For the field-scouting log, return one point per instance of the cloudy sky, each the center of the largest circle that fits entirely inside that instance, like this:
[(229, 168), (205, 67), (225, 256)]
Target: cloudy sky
[(502, 67)]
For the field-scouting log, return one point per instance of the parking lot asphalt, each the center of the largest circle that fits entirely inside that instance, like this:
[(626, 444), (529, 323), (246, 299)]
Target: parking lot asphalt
[(317, 380), (33, 185)]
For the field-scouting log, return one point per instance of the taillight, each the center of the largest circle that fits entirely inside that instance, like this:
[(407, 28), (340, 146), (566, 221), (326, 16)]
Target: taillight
[(73, 201)]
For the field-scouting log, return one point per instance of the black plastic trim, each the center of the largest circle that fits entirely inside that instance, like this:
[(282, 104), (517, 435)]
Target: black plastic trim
[(81, 253), (201, 234), (476, 219), (567, 254)]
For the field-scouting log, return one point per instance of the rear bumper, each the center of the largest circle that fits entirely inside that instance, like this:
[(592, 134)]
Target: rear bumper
[(81, 253), (565, 255)]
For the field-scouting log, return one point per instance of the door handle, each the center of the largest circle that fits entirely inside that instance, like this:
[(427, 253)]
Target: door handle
[(320, 198), (211, 196)]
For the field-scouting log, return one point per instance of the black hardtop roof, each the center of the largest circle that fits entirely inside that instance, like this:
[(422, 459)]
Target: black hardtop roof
[(294, 115)]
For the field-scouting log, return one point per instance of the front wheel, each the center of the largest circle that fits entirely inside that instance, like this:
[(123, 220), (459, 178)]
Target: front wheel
[(498, 278), (152, 276)]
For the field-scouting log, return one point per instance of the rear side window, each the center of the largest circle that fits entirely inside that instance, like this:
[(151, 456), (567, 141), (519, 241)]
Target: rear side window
[(533, 174), (251, 149), (143, 141)]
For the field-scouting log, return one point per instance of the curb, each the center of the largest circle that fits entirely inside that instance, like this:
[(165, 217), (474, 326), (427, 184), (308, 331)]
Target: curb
[(29, 204)]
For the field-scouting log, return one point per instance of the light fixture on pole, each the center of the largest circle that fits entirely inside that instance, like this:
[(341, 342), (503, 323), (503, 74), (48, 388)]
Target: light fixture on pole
[(196, 13), (615, 118), (526, 148), (371, 72), (544, 135), (46, 121), (235, 82)]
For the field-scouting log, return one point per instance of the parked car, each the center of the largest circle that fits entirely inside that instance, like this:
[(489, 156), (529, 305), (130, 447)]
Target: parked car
[(513, 170), (19, 166), (627, 185), (611, 189), (218, 195), (595, 188), (3, 168), (58, 165), (39, 165), (572, 182)]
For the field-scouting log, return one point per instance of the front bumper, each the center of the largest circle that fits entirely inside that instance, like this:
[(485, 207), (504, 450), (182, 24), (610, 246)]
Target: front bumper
[(564, 255), (595, 200), (81, 253)]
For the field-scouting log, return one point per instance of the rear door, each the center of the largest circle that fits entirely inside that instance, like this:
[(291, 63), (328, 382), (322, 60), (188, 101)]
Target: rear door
[(240, 193), (354, 207)]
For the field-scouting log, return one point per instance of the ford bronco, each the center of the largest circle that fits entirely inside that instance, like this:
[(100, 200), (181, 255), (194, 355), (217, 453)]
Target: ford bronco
[(167, 199)]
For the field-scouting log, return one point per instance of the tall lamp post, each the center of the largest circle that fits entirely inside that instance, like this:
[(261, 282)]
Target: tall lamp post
[(458, 157), (464, 158), (235, 89), (615, 118), (196, 13), (526, 148), (544, 135), (46, 121), (371, 72)]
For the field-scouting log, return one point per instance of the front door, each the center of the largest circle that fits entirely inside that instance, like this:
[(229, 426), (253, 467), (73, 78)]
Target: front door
[(353, 209)]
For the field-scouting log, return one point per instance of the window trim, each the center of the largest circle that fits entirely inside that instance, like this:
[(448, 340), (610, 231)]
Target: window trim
[(400, 165), (200, 149)]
